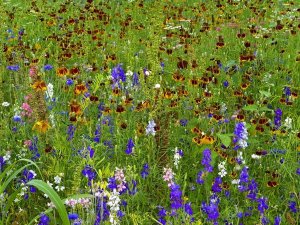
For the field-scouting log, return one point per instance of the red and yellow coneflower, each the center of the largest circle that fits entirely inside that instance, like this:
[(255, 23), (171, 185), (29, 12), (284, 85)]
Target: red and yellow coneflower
[(41, 126)]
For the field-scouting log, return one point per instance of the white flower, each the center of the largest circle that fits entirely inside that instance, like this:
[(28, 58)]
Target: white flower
[(254, 156), (157, 86), (57, 179), (288, 123), (235, 181), (5, 104), (49, 92), (222, 169), (129, 73)]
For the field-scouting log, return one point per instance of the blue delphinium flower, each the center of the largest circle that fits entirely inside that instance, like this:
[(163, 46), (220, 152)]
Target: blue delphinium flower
[(277, 118), (97, 134), (118, 74), (175, 198), (244, 179), (211, 210), (71, 131), (145, 171), (206, 160), (135, 79), (2, 163), (264, 220), (200, 178), (262, 204), (216, 187), (162, 213), (293, 206), (89, 173), (188, 208), (44, 219), (130, 146), (241, 135), (253, 189), (277, 220)]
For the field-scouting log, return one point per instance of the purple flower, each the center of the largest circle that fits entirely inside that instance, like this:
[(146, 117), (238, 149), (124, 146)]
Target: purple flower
[(135, 79), (264, 220), (188, 208), (298, 171), (175, 197), (262, 205), (145, 171), (44, 219), (89, 173), (183, 122), (69, 82), (118, 74), (206, 160), (211, 210), (130, 146), (73, 216), (277, 220), (226, 83), (200, 178), (13, 67), (216, 187), (71, 131), (48, 67), (293, 206), (241, 135), (277, 118)]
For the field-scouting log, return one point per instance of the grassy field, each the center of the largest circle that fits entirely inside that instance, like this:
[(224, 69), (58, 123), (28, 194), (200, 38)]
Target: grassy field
[(149, 112)]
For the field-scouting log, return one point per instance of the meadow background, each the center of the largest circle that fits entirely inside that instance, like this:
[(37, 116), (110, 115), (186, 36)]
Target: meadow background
[(149, 112)]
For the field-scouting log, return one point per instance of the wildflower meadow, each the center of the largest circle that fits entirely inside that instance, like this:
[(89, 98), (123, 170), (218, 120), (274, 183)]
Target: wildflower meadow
[(144, 112)]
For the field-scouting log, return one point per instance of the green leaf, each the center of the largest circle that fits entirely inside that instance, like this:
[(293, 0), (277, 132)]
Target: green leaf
[(225, 139), (250, 108), (265, 93), (44, 187), (264, 108)]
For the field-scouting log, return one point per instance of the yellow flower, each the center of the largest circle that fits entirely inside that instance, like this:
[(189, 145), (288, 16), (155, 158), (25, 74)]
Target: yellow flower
[(41, 126)]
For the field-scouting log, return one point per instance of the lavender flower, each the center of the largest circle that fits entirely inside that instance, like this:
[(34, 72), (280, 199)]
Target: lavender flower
[(118, 74), (150, 128), (241, 135), (211, 210)]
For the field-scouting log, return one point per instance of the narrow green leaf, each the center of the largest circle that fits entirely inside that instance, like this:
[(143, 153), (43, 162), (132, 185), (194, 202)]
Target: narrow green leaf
[(44, 187), (250, 108)]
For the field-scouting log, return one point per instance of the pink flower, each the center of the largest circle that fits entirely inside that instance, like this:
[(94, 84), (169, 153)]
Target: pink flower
[(32, 71), (27, 143)]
